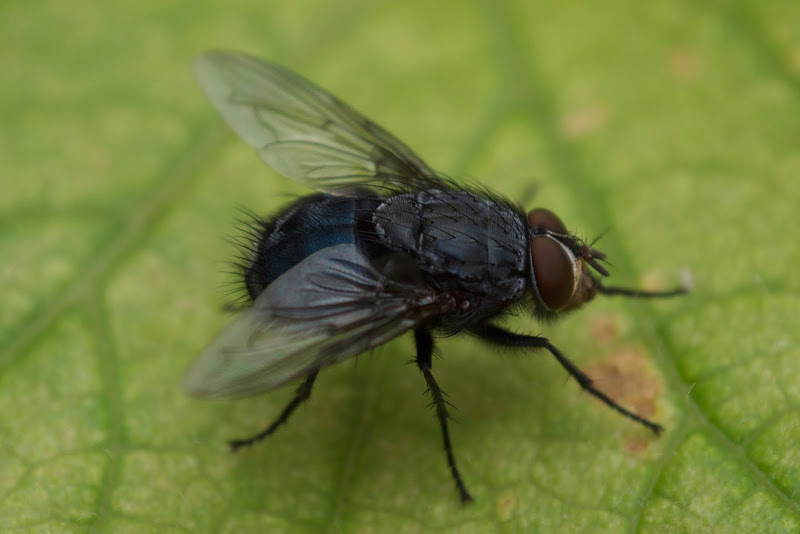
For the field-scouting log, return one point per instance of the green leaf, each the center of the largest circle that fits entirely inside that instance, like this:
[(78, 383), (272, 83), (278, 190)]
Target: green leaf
[(673, 127)]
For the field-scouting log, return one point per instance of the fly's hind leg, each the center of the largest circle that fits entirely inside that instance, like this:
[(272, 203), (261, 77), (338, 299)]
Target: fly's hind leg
[(302, 394), (424, 342)]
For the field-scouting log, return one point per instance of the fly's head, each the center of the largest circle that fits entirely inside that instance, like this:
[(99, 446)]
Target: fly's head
[(560, 265)]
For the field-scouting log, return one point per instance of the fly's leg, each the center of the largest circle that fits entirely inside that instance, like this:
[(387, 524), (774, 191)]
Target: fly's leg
[(504, 338), (640, 293), (424, 342), (302, 394)]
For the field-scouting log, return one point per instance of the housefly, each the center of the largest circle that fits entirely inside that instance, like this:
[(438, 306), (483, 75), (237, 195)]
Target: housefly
[(387, 245)]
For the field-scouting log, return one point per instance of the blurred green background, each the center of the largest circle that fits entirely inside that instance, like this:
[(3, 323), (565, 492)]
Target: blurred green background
[(673, 126)]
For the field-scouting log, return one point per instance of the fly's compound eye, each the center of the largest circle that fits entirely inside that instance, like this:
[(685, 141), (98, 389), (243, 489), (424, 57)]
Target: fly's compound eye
[(554, 271), (546, 220)]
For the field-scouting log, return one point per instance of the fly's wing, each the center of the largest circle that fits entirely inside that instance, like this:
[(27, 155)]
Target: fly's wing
[(302, 131), (330, 306)]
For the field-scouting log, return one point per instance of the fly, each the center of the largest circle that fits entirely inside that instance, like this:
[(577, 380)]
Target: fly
[(387, 245)]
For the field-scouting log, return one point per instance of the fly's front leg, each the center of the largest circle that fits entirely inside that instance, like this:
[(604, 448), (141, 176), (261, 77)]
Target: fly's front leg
[(640, 293), (424, 342), (301, 395), (504, 338)]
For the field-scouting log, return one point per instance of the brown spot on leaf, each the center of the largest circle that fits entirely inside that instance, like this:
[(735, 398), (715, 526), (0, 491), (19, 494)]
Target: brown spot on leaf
[(582, 122), (504, 505), (625, 377), (604, 328), (681, 64), (636, 445)]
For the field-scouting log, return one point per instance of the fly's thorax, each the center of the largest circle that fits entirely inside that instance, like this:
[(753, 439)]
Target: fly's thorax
[(459, 238)]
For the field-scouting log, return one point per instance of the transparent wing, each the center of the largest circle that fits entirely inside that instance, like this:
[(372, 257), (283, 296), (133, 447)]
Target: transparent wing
[(302, 131), (330, 306)]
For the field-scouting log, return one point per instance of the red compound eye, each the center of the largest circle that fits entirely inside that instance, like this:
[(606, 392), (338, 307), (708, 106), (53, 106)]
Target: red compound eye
[(546, 220), (553, 271)]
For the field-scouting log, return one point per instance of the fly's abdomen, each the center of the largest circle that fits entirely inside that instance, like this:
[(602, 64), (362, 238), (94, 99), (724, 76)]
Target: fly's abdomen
[(457, 235), (307, 226)]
